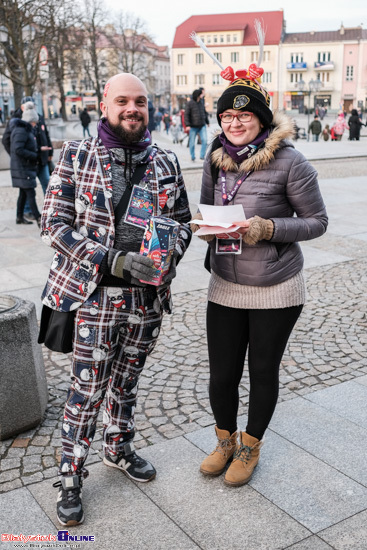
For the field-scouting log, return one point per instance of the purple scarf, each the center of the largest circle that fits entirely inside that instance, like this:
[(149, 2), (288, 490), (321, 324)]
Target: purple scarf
[(111, 141), (243, 152)]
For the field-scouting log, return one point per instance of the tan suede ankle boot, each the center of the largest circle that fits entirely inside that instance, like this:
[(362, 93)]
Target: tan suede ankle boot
[(245, 460), (215, 463)]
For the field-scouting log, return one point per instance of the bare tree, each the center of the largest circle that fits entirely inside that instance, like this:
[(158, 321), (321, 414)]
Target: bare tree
[(95, 41), (132, 41), (22, 34), (66, 37)]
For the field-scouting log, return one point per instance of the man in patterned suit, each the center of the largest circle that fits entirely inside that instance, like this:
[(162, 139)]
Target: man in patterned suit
[(97, 271)]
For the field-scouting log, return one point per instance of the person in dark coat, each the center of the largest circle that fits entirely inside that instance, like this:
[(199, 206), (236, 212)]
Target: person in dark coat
[(44, 147), (151, 122), (354, 124), (23, 162), (195, 120), (85, 120)]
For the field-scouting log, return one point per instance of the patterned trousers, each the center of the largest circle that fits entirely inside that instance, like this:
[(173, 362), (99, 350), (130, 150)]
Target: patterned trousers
[(115, 330)]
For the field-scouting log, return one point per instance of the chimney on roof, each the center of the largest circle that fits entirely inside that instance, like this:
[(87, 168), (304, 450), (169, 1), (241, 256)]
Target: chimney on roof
[(342, 30)]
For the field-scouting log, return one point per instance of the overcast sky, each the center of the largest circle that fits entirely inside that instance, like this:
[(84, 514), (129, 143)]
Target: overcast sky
[(163, 16)]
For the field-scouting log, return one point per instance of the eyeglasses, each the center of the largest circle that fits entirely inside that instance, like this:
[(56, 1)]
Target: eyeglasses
[(241, 117)]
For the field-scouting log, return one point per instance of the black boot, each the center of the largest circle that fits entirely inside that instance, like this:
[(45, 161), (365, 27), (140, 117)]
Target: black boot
[(23, 221)]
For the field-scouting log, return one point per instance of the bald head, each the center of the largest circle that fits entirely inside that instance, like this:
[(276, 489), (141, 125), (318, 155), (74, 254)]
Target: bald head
[(119, 83), (125, 105)]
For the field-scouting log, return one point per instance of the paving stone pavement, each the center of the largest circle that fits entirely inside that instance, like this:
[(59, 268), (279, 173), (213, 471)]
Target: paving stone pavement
[(328, 346)]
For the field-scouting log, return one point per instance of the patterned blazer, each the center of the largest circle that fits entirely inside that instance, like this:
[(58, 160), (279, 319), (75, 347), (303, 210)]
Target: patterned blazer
[(78, 218)]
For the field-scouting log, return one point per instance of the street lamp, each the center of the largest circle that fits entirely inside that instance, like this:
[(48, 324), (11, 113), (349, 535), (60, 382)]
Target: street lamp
[(313, 86)]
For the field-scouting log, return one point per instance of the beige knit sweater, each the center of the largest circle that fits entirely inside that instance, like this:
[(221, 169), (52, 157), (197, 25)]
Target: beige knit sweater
[(287, 294)]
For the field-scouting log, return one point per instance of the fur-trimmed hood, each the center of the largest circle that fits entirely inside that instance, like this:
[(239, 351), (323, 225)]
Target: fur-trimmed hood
[(282, 129)]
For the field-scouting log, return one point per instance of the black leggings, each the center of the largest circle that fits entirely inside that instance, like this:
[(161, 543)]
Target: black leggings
[(27, 195), (230, 331)]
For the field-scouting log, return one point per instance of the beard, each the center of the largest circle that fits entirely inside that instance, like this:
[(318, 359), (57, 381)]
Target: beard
[(128, 137)]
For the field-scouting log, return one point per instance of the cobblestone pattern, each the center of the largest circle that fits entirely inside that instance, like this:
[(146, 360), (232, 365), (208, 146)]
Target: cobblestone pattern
[(327, 347)]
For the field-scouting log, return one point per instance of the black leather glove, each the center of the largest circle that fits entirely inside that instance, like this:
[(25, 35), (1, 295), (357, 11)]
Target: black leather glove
[(133, 267)]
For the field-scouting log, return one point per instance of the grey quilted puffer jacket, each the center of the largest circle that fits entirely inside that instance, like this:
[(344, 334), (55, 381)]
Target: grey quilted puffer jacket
[(283, 187)]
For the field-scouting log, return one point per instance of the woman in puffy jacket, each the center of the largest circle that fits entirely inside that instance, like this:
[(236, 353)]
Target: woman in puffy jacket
[(23, 162), (257, 289)]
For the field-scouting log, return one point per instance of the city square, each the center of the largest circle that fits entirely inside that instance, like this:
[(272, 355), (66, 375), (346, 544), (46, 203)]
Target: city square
[(309, 491)]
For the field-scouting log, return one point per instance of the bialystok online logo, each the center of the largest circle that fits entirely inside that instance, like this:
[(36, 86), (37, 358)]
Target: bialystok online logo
[(62, 536)]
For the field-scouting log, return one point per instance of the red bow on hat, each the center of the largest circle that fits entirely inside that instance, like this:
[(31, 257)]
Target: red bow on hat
[(254, 72)]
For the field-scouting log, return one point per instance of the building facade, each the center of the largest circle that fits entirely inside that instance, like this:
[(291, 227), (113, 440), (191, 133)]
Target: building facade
[(324, 69), (232, 39), (302, 71)]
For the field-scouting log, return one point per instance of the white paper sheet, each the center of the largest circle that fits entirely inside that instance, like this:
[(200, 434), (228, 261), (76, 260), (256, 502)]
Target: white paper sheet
[(216, 218), (216, 215)]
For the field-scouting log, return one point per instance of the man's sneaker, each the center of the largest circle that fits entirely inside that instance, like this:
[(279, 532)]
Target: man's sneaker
[(131, 464), (69, 500)]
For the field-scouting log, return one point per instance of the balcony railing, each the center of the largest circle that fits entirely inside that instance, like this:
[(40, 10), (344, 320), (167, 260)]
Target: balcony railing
[(325, 65), (297, 66)]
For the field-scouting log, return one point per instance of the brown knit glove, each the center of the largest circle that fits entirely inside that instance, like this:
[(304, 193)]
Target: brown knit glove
[(195, 227), (259, 229)]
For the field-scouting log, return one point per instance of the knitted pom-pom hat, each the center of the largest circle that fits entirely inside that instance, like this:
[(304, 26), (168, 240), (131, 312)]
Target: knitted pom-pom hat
[(29, 113), (246, 95)]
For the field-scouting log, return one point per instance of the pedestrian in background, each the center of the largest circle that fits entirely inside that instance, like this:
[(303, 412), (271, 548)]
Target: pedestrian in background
[(23, 162), (337, 129), (315, 128), (44, 148), (166, 122), (256, 291), (175, 129), (195, 121), (326, 132), (85, 120), (151, 121), (354, 124)]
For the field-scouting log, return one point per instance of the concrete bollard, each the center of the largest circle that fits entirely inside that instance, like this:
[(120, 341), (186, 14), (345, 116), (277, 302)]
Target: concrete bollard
[(23, 384)]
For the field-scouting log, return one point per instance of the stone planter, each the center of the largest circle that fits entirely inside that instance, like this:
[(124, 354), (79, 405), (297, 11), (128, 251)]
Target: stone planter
[(23, 385)]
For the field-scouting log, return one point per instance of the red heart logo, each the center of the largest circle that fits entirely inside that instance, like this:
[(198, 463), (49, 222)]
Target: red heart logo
[(228, 74), (255, 71)]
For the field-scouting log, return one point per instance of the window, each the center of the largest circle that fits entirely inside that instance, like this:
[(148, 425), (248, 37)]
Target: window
[(350, 69), (216, 79), (235, 57), (228, 38), (323, 77), (266, 78), (323, 56), (254, 56), (181, 80), (296, 57), (267, 56), (222, 38), (209, 39), (180, 59), (218, 56), (235, 38), (296, 77), (199, 58), (200, 79), (202, 38), (215, 38)]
